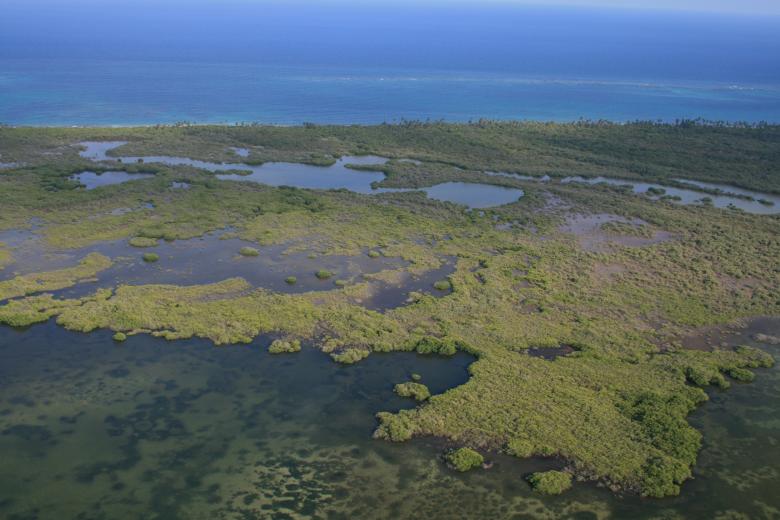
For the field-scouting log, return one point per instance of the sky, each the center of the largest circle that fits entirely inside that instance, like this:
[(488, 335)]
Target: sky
[(730, 6), (747, 7)]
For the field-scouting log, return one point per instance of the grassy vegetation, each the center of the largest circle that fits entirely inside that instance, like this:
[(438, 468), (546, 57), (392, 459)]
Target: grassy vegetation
[(248, 251), (464, 459), (615, 410), (150, 257), (323, 274)]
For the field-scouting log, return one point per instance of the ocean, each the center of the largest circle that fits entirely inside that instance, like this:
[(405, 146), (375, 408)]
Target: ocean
[(141, 63)]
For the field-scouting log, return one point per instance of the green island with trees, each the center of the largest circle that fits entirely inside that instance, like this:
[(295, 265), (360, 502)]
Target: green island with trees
[(613, 410)]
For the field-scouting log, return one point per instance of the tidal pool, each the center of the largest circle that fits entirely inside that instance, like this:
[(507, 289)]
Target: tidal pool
[(337, 176), (94, 429), (241, 152)]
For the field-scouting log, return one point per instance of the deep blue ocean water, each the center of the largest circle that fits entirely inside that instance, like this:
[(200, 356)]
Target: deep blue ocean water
[(123, 63)]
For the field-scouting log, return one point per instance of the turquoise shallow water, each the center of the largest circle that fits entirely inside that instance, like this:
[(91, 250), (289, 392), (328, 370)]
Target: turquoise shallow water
[(147, 62), (99, 92)]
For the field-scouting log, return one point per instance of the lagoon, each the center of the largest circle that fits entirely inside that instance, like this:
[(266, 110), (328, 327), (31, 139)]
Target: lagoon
[(334, 177)]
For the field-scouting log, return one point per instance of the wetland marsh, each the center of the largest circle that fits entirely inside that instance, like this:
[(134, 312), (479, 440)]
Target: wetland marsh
[(606, 332)]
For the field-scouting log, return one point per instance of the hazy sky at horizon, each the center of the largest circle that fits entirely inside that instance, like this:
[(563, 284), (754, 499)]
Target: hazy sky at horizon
[(736, 6), (747, 7)]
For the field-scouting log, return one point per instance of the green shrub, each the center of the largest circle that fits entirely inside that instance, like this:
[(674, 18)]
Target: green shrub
[(520, 448), (374, 254), (340, 283), (393, 427), (550, 482), (151, 257), (323, 274), (350, 356), (416, 377), (442, 285), (417, 391), (279, 346), (291, 280), (464, 459), (248, 251), (697, 376), (120, 336), (662, 477), (663, 422)]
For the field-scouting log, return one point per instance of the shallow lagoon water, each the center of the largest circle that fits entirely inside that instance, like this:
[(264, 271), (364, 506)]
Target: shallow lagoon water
[(213, 258), (183, 429), (691, 196), (473, 195), (337, 176), (772, 200)]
